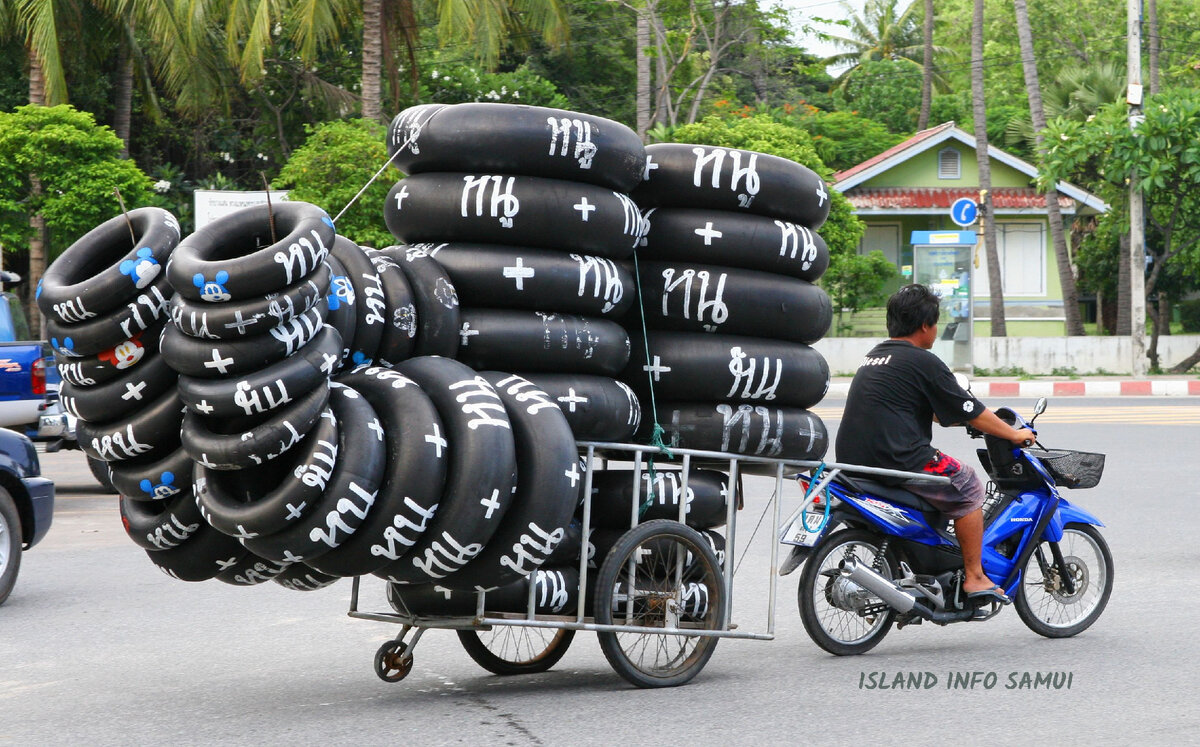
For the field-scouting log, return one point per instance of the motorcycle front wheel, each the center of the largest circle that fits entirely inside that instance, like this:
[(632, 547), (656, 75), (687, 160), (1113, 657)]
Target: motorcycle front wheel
[(840, 616), (1043, 602)]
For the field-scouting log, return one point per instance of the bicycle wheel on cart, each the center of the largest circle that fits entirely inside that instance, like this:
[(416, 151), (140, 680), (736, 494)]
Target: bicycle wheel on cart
[(516, 649), (660, 574)]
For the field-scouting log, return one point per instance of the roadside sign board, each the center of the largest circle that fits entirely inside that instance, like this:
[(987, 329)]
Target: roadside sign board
[(211, 204), (964, 211)]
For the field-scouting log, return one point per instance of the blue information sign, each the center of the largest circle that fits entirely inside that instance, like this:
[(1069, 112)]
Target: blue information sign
[(964, 211)]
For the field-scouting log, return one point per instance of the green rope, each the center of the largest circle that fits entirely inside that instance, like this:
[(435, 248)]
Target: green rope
[(656, 435)]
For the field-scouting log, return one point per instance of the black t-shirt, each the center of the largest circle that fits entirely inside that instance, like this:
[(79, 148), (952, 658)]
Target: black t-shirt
[(896, 392)]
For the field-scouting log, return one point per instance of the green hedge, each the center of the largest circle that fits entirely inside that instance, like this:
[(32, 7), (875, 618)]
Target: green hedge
[(1189, 315)]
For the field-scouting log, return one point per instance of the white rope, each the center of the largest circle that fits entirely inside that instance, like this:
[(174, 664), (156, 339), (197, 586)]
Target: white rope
[(415, 131)]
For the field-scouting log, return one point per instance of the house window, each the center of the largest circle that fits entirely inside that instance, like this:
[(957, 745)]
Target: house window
[(949, 164), (884, 237), (1022, 250)]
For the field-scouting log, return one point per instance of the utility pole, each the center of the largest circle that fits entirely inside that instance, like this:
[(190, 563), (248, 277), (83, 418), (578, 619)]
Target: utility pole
[(1137, 224)]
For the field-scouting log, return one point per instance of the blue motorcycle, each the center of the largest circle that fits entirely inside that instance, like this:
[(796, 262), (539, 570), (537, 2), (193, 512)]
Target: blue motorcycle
[(875, 554)]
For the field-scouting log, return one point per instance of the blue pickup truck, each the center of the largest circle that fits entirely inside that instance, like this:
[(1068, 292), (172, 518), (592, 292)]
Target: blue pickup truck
[(28, 376)]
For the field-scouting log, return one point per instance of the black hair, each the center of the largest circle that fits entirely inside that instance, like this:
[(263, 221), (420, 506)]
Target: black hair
[(911, 308)]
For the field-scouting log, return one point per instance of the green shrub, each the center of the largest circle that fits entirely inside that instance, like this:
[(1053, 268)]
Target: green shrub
[(338, 158), (1189, 315)]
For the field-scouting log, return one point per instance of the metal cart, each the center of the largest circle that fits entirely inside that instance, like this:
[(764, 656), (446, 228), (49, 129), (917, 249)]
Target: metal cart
[(661, 599)]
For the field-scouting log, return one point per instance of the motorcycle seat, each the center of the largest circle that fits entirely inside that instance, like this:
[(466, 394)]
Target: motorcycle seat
[(887, 492)]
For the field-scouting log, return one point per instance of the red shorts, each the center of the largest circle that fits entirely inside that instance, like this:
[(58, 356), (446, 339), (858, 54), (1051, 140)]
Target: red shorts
[(963, 495)]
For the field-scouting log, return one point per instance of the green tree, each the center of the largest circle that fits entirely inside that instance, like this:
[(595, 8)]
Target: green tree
[(883, 32), (880, 32), (1066, 273), (1162, 157), (336, 160), (886, 91), (842, 231), (855, 281), (77, 165), (841, 138), (457, 83)]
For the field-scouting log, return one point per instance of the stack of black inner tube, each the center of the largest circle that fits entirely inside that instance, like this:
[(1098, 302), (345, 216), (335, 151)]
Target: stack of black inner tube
[(526, 210), (262, 426), (726, 276)]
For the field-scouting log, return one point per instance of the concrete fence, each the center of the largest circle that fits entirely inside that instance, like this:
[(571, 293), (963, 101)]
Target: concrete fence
[(1033, 355)]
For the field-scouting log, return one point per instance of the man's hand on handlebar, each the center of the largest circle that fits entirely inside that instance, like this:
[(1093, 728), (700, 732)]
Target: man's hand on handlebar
[(1023, 437)]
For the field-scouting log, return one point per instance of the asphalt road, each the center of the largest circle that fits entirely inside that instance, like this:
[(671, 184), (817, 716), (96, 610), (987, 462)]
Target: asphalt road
[(99, 647)]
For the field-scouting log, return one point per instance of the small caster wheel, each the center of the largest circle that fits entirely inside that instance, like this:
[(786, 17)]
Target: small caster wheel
[(393, 662)]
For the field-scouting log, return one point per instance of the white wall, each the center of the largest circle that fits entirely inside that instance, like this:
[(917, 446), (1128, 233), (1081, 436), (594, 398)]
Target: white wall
[(1034, 355)]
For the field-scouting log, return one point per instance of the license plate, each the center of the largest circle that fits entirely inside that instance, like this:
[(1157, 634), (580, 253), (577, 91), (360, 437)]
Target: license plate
[(798, 533)]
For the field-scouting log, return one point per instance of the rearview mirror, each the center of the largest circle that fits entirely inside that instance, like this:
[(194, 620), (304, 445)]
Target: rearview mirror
[(1039, 407)]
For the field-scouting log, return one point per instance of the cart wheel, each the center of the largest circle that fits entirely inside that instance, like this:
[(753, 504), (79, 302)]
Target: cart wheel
[(660, 574), (513, 649), (393, 662)]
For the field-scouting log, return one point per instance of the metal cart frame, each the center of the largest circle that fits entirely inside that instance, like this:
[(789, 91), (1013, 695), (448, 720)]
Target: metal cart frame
[(394, 659)]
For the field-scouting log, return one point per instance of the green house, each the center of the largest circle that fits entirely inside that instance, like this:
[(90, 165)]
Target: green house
[(905, 196)]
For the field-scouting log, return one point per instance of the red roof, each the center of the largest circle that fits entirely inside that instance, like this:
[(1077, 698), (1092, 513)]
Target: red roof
[(898, 148), (1003, 198)]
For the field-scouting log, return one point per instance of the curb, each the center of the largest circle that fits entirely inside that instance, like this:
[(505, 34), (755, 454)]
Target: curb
[(1134, 388)]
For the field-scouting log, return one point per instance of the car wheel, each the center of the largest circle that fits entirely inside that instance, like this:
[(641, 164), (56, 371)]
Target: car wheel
[(10, 544)]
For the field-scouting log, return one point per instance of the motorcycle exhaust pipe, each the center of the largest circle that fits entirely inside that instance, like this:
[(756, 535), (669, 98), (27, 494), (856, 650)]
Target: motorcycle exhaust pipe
[(881, 587)]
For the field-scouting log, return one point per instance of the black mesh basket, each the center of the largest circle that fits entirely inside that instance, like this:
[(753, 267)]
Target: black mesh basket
[(1073, 469)]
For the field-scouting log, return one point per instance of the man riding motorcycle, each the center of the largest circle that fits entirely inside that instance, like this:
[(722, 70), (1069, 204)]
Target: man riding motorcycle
[(900, 389)]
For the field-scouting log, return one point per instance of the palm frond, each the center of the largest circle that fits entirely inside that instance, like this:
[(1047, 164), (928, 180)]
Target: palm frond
[(40, 18)]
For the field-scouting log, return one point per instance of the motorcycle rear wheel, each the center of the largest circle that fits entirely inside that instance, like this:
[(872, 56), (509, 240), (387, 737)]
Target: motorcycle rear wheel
[(832, 625), (1042, 603)]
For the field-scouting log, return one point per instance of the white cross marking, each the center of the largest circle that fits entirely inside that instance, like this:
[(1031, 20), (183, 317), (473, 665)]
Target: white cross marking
[(375, 426), (288, 557), (519, 272), (436, 439), (650, 166), (584, 207), (571, 399), (241, 323), (225, 565), (329, 361), (218, 362), (708, 233), (573, 473), (466, 333), (242, 534), (821, 192), (492, 503), (133, 391), (401, 195), (204, 407), (657, 369), (295, 512)]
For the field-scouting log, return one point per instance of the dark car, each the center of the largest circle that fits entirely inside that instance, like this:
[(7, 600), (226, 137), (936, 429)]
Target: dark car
[(26, 505)]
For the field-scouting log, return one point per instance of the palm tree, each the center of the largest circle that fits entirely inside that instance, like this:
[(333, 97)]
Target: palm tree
[(1066, 273), (1076, 93), (486, 25), (38, 22), (995, 286), (879, 33), (926, 67)]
